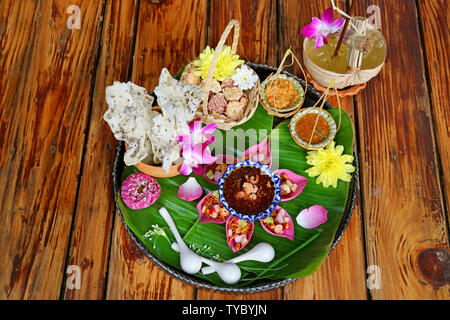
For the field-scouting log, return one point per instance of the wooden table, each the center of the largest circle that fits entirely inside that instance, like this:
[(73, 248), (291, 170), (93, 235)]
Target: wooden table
[(57, 213)]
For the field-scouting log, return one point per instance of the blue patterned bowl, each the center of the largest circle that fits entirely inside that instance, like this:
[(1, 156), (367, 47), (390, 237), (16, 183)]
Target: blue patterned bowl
[(264, 168)]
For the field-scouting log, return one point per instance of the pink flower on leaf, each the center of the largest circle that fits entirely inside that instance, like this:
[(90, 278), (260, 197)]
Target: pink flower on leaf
[(194, 156), (312, 217), (195, 151), (198, 134)]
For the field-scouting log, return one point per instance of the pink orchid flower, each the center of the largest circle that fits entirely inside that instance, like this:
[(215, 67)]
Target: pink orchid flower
[(194, 156), (198, 134), (322, 28), (194, 149)]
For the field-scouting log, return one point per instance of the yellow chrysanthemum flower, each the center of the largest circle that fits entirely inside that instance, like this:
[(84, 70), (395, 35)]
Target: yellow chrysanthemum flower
[(330, 165), (225, 67)]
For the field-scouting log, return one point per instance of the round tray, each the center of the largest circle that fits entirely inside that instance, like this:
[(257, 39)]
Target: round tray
[(311, 97)]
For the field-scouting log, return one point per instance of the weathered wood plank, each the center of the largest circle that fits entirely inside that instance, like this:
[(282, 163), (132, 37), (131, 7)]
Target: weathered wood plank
[(435, 32), (342, 274), (257, 43), (402, 200), (133, 277), (258, 35), (95, 211), (168, 35), (46, 81)]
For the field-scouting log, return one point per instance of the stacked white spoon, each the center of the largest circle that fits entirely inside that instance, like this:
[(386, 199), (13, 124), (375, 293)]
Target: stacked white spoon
[(228, 271)]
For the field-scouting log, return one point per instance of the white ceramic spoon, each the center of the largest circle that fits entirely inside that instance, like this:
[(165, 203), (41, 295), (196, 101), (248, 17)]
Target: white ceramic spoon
[(262, 252), (190, 262), (229, 272)]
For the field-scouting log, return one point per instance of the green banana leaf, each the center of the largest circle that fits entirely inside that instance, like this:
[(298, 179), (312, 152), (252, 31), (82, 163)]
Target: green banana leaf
[(296, 258)]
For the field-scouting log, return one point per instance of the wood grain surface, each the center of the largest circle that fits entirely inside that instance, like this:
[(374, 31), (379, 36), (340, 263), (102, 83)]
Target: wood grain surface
[(56, 203), (402, 200), (42, 138), (168, 35), (435, 31), (95, 212)]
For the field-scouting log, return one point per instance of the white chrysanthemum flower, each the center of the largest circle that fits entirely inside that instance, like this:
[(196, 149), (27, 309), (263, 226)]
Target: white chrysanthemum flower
[(244, 78)]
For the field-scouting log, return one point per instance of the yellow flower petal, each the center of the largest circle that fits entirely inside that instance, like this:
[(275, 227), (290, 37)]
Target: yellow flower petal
[(225, 67), (313, 172), (348, 168), (339, 150), (330, 165), (346, 177), (347, 158)]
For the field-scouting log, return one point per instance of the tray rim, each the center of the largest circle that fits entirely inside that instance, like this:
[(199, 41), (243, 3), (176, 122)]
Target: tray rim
[(261, 285)]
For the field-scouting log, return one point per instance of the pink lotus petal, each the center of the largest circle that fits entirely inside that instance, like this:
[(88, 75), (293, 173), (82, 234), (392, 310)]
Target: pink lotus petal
[(190, 190), (202, 216), (232, 242), (327, 16), (312, 217), (262, 148), (288, 233), (299, 180), (140, 191), (220, 159)]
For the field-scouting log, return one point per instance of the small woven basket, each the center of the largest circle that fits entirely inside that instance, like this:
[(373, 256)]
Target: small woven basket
[(253, 94)]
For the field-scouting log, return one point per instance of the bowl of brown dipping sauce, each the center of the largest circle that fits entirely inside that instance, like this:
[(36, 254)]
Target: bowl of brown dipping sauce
[(249, 190), (312, 128)]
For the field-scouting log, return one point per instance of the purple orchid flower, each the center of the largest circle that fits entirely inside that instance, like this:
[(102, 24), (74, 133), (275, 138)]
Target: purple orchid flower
[(198, 134), (194, 149), (194, 156), (322, 28)]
